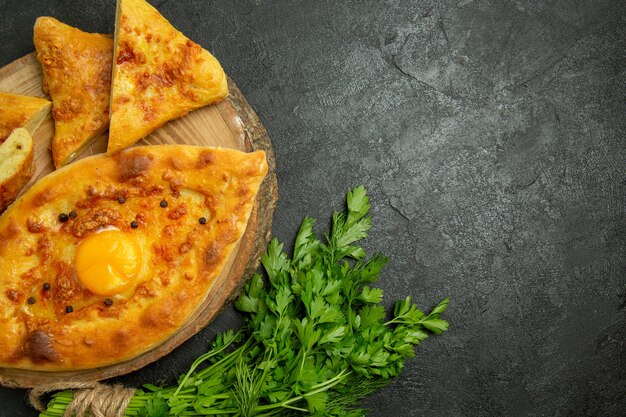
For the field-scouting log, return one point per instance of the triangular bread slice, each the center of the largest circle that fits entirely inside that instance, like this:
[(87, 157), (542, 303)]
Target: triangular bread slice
[(21, 111), (16, 165), (77, 75), (158, 74)]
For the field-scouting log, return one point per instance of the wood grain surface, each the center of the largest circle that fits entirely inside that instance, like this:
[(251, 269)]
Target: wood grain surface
[(232, 123)]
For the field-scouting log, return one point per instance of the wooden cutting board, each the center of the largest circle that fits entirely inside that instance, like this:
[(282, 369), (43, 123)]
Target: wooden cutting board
[(232, 123)]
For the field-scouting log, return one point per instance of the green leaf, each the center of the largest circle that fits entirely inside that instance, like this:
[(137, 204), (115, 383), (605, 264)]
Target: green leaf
[(265, 329), (358, 205), (278, 396), (440, 308), (306, 333), (249, 299), (317, 279), (317, 307), (177, 405), (156, 407), (203, 405), (354, 252), (308, 375), (414, 314), (317, 401), (372, 296), (436, 326), (306, 295), (415, 336), (405, 312), (332, 287), (275, 261), (222, 340), (246, 304), (402, 306), (405, 349), (351, 234), (306, 242), (283, 298), (370, 272), (210, 386), (351, 227), (333, 335), (371, 316), (330, 315), (360, 358)]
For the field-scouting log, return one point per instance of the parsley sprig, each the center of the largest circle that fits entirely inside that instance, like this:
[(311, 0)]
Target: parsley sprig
[(315, 339)]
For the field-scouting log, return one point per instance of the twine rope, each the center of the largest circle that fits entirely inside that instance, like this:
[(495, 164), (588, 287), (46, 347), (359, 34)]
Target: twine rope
[(91, 399)]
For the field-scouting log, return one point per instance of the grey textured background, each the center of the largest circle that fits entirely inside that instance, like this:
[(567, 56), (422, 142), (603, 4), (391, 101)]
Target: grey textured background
[(490, 136)]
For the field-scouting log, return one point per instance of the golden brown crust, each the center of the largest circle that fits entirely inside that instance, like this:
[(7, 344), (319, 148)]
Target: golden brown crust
[(158, 74), (181, 257), (16, 165), (21, 111), (77, 75)]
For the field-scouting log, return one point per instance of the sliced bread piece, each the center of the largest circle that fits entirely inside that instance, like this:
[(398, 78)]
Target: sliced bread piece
[(21, 111), (16, 165), (158, 74), (77, 75)]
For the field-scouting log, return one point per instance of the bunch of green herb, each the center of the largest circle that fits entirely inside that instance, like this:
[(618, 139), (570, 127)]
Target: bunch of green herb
[(315, 339)]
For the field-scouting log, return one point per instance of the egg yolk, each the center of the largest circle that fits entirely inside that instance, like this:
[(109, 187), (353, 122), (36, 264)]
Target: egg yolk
[(108, 263)]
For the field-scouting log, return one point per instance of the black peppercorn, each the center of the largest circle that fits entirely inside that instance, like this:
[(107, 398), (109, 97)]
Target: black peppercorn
[(73, 214), (69, 309), (108, 302), (121, 200), (202, 220), (134, 224), (163, 203), (31, 300), (46, 286), (63, 217)]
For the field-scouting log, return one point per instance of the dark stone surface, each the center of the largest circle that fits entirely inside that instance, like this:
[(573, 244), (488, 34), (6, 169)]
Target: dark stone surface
[(490, 136)]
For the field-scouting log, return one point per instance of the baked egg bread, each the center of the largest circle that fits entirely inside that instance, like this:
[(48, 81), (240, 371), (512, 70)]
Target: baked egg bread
[(16, 165), (105, 258), (77, 76), (21, 111), (158, 74)]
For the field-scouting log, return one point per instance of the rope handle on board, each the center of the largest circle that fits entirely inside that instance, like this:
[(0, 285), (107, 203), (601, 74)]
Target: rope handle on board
[(91, 399)]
